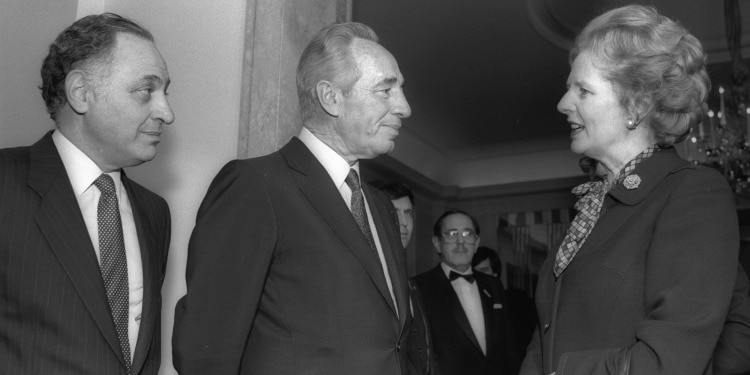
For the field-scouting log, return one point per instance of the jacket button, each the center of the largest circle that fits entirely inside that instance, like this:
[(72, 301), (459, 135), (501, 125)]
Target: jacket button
[(546, 327)]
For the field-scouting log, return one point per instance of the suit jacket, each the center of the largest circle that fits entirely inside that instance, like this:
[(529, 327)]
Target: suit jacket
[(732, 353), (420, 348), (54, 316), (457, 351), (280, 279), (652, 282)]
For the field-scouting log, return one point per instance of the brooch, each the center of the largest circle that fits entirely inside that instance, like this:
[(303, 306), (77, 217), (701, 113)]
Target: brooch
[(632, 181)]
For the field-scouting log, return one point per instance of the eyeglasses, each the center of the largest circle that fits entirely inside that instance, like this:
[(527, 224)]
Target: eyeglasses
[(451, 236)]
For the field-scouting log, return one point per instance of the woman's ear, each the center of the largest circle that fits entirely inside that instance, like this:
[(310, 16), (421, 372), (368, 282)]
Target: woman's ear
[(638, 108)]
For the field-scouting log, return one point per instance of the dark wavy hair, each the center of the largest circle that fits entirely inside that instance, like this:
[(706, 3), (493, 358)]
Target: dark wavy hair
[(86, 44), (655, 63), (393, 189), (484, 252)]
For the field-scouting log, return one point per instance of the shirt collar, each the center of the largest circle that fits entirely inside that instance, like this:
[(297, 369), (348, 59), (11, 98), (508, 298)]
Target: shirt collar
[(334, 164), (82, 171)]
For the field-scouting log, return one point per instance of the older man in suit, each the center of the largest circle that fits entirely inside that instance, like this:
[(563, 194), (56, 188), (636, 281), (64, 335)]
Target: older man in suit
[(466, 311), (294, 267), (83, 248)]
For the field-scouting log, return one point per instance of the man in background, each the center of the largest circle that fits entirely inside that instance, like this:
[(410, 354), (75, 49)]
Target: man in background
[(520, 307), (83, 248), (294, 266), (466, 310), (403, 201), (487, 261), (419, 349)]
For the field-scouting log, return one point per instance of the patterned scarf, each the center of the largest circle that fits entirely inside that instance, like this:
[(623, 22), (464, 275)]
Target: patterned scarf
[(590, 200)]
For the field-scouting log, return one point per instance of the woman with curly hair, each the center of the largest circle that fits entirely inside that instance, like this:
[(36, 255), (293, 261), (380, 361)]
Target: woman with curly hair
[(642, 281)]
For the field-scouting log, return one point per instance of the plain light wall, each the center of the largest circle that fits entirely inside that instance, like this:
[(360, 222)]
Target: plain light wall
[(26, 30)]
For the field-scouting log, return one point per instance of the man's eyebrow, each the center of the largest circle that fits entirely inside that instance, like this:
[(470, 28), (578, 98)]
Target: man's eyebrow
[(389, 80), (152, 78)]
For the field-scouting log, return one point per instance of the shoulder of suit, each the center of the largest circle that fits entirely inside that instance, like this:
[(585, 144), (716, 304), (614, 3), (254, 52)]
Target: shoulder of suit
[(378, 196), (427, 277), (144, 193), (487, 279), (260, 163), (420, 279), (665, 172), (248, 170), (14, 156)]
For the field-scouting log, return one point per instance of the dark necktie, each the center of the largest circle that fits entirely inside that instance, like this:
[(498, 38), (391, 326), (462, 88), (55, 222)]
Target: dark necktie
[(358, 209), (114, 266), (455, 275)]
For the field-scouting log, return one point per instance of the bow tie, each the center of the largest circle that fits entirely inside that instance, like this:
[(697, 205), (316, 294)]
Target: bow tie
[(455, 275)]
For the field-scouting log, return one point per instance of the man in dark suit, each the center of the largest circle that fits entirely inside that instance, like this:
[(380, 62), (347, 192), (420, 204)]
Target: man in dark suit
[(83, 248), (294, 267), (520, 305), (419, 349), (466, 311)]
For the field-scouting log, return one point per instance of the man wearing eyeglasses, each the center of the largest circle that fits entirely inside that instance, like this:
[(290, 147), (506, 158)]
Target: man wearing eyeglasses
[(467, 314)]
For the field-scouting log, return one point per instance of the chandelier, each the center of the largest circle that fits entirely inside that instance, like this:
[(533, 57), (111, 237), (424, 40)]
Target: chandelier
[(722, 139)]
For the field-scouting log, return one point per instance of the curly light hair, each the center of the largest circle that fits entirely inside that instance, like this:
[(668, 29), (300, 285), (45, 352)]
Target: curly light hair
[(656, 65)]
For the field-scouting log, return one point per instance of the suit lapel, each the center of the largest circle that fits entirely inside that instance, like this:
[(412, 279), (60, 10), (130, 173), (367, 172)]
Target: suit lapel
[(61, 222), (150, 266), (605, 227), (493, 330), (392, 251), (316, 184), (450, 299)]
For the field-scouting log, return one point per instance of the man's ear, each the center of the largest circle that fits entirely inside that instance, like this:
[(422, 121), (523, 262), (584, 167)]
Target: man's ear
[(329, 98), (77, 91), (436, 243)]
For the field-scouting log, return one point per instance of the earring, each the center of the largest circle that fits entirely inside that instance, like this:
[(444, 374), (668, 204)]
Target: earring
[(631, 124)]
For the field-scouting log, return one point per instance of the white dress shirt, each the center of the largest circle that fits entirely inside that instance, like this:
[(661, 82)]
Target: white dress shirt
[(338, 169), (82, 172), (468, 295)]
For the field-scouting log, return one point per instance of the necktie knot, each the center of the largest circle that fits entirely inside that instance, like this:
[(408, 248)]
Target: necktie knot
[(352, 180), (455, 275), (105, 184), (591, 197)]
